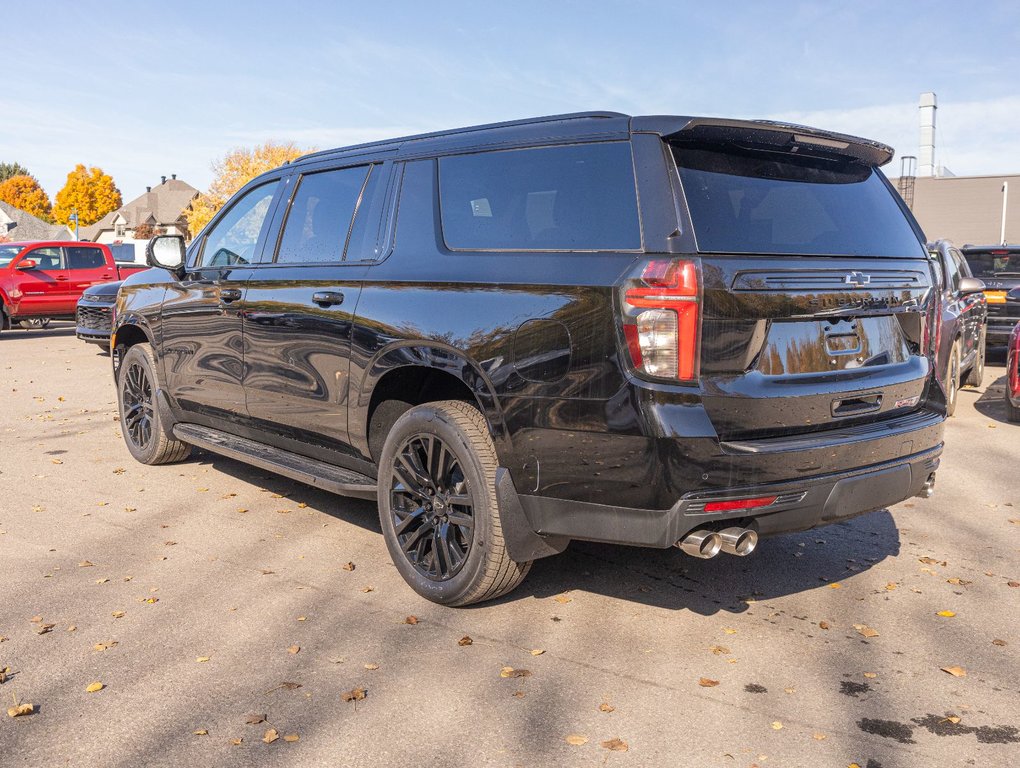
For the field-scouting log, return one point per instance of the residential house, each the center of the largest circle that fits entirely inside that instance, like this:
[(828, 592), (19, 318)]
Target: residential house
[(27, 226), (159, 211)]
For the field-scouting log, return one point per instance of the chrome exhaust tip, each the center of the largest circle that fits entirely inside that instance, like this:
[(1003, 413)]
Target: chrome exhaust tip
[(928, 489), (703, 544), (738, 541)]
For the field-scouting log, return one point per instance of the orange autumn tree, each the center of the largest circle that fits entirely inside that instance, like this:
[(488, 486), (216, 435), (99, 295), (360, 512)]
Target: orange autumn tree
[(233, 171), (90, 192), (24, 193)]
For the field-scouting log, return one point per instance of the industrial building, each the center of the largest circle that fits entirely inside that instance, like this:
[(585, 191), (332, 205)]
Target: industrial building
[(978, 210)]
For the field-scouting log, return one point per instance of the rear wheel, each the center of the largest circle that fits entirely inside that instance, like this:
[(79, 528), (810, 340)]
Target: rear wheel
[(976, 374), (953, 379), (140, 421), (1012, 411), (438, 506)]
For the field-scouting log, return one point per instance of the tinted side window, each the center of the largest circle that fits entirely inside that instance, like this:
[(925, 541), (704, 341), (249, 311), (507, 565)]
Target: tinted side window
[(363, 243), (320, 215), (85, 258), (232, 240), (578, 197), (46, 258)]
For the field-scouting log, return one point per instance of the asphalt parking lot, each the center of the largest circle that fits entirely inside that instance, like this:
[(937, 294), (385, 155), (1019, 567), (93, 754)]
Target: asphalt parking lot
[(207, 595)]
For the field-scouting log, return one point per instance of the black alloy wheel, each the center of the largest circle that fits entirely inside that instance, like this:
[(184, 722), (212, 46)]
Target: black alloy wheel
[(432, 507), (136, 396)]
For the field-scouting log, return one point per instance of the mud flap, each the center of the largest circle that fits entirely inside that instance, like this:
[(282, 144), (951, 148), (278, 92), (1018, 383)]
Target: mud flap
[(522, 543)]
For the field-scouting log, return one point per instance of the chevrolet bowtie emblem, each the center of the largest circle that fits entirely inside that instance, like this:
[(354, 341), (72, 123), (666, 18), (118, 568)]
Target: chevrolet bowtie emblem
[(857, 278)]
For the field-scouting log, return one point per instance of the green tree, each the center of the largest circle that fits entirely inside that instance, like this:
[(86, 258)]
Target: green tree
[(90, 192), (12, 169), (24, 193)]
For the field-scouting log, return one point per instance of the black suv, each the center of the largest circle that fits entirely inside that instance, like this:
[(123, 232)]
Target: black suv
[(653, 331), (998, 267)]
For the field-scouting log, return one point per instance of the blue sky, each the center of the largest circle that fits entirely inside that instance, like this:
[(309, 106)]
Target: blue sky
[(143, 89)]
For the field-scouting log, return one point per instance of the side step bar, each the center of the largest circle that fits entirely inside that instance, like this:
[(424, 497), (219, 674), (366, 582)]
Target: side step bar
[(337, 480)]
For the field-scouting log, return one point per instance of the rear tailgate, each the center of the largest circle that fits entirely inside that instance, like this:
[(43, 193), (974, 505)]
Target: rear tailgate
[(817, 289)]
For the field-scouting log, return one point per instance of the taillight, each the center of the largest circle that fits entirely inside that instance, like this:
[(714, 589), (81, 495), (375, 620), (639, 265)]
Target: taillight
[(660, 319)]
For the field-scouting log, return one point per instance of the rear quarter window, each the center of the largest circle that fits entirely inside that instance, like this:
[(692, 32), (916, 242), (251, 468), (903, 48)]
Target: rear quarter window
[(578, 197), (748, 201)]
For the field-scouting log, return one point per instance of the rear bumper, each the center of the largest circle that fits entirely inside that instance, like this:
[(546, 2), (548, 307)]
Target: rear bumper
[(801, 504)]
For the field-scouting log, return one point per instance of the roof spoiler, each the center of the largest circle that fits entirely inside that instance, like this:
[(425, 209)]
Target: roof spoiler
[(765, 134)]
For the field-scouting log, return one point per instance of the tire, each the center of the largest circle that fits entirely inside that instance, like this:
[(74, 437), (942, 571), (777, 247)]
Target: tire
[(1012, 411), (438, 506), (953, 379), (141, 424), (976, 374)]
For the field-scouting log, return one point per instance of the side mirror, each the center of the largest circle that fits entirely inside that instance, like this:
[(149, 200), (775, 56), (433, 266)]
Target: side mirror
[(27, 264), (970, 285), (165, 252)]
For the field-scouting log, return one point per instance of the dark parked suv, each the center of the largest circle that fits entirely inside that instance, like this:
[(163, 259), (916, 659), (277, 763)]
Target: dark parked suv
[(998, 267), (653, 331)]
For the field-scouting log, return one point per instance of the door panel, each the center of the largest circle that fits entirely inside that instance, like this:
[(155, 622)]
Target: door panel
[(297, 351), (45, 288), (201, 320), (86, 266)]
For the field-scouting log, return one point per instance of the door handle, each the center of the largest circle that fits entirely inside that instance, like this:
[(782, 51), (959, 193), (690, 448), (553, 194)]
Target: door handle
[(228, 295), (327, 298)]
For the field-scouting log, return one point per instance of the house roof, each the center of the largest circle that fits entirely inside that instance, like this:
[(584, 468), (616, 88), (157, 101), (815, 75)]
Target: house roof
[(161, 205), (30, 227)]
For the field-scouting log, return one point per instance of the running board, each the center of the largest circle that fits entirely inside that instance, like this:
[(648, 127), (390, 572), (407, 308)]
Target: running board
[(311, 471)]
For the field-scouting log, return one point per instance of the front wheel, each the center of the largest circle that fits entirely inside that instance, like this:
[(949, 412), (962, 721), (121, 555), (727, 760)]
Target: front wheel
[(141, 424), (438, 506), (953, 379), (976, 374)]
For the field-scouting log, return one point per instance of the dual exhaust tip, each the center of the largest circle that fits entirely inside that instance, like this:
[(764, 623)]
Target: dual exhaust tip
[(733, 541)]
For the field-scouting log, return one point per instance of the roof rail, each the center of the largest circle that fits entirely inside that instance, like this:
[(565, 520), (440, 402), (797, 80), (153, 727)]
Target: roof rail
[(469, 129)]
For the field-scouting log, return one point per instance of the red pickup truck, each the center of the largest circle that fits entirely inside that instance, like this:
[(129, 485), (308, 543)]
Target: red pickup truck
[(45, 279)]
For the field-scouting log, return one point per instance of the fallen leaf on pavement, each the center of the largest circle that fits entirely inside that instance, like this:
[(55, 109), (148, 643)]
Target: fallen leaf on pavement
[(104, 646), (466, 640), (955, 671), (20, 709), (931, 561), (954, 719), (411, 620), (707, 683), (605, 706), (291, 737), (614, 745), (871, 674), (865, 630), (537, 651), (511, 672), (562, 599), (835, 585), (961, 582), (368, 589), (294, 649), (302, 618), (94, 687), (236, 742), (348, 566), (999, 642), (776, 725), (201, 732), (947, 614), (202, 659), (85, 564), (823, 625), (718, 649), (729, 631), (576, 739), (371, 667), (355, 695), (255, 718), (270, 736), (118, 614), (819, 736)]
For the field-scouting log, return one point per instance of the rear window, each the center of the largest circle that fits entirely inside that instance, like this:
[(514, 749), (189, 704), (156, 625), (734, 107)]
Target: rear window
[(991, 265), (579, 197), (748, 201)]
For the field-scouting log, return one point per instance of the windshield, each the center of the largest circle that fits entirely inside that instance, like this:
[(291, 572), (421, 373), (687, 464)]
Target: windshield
[(746, 200), (7, 254), (993, 265)]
